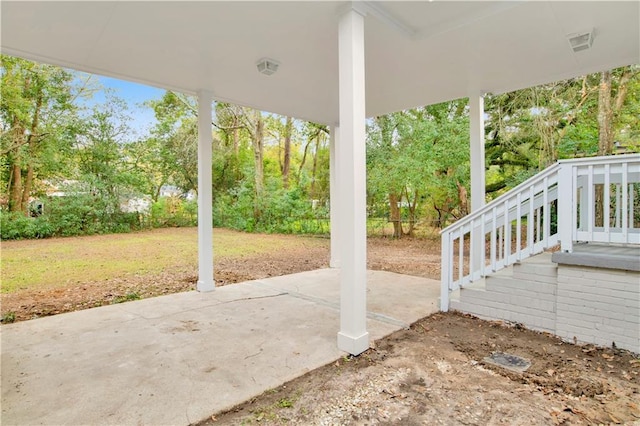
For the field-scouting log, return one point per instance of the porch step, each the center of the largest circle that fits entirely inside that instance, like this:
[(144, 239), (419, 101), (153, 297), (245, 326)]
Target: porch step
[(599, 255), (538, 268)]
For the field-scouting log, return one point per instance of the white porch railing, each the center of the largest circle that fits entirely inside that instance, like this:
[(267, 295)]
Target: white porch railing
[(589, 199)]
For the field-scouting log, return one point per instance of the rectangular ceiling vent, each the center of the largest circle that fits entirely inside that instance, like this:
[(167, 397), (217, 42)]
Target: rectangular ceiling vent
[(581, 41), (267, 66)]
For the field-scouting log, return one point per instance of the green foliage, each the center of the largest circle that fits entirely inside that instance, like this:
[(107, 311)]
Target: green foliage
[(271, 173), (283, 211), (38, 119), (127, 298), (285, 403), (174, 212), (17, 226), (7, 318), (67, 216), (419, 157)]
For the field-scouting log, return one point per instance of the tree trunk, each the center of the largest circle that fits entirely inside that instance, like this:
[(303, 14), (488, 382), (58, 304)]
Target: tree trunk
[(623, 87), (15, 191), (15, 180), (464, 199), (605, 115), (286, 163), (236, 138), (304, 158), (394, 209), (315, 167), (31, 142), (26, 190), (258, 144), (412, 211)]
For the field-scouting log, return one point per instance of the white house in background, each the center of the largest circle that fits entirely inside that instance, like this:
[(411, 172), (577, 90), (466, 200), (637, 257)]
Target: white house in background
[(140, 205), (170, 191), (336, 63), (174, 191)]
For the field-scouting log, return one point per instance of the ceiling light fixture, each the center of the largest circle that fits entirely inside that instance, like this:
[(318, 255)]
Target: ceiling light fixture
[(267, 66), (581, 41)]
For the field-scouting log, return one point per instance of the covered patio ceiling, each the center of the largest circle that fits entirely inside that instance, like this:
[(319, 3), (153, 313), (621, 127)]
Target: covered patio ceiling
[(416, 53)]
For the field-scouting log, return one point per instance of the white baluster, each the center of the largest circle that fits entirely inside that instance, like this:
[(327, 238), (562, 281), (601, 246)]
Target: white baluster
[(606, 220)]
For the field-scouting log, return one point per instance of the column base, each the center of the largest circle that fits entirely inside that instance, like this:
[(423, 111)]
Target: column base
[(353, 345), (205, 286), (334, 263)]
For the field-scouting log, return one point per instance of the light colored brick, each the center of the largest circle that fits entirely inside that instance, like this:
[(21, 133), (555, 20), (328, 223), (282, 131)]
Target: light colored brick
[(614, 323), (578, 321), (609, 313), (632, 318), (599, 291), (617, 285), (633, 303), (545, 324), (577, 309), (566, 271), (610, 276), (578, 286), (542, 279), (602, 341), (632, 331), (614, 301), (526, 293), (579, 332), (581, 284)]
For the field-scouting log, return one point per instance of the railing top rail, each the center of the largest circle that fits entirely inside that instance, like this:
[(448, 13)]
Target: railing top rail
[(586, 161), (606, 159), (488, 207)]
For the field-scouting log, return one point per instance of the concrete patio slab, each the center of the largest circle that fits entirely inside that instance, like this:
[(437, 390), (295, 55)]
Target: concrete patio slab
[(179, 358)]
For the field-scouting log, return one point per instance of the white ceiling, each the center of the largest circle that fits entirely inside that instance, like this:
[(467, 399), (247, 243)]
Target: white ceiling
[(417, 53)]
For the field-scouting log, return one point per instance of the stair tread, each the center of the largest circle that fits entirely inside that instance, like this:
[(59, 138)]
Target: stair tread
[(539, 259)]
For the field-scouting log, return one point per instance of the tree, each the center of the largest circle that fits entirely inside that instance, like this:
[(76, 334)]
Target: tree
[(286, 157), (612, 97), (37, 116), (418, 158), (175, 140)]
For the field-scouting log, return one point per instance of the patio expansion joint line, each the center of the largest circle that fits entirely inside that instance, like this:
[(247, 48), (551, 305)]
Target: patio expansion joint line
[(210, 305), (335, 306)]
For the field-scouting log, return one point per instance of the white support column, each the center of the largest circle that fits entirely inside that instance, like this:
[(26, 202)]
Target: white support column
[(334, 208), (205, 198), (353, 336), (476, 128), (476, 146)]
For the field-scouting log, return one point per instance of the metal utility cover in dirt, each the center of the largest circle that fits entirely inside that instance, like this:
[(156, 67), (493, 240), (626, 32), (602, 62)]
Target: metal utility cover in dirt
[(508, 361)]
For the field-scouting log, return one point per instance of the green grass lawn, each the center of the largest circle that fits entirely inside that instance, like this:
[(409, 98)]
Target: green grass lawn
[(61, 261)]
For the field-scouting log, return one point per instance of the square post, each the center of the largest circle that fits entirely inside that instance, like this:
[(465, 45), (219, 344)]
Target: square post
[(334, 214), (476, 147), (353, 336), (567, 206), (205, 196)]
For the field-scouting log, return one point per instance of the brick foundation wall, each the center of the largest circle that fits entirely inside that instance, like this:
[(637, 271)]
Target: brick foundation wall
[(600, 306)]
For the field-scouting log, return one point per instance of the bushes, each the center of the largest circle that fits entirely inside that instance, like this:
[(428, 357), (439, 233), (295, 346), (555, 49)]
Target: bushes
[(15, 226), (174, 212), (280, 211), (87, 215)]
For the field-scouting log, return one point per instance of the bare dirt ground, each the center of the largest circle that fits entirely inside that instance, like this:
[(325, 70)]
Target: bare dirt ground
[(434, 373)]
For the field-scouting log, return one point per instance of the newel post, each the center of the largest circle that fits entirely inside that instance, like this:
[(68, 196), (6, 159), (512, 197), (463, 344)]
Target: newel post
[(566, 215)]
